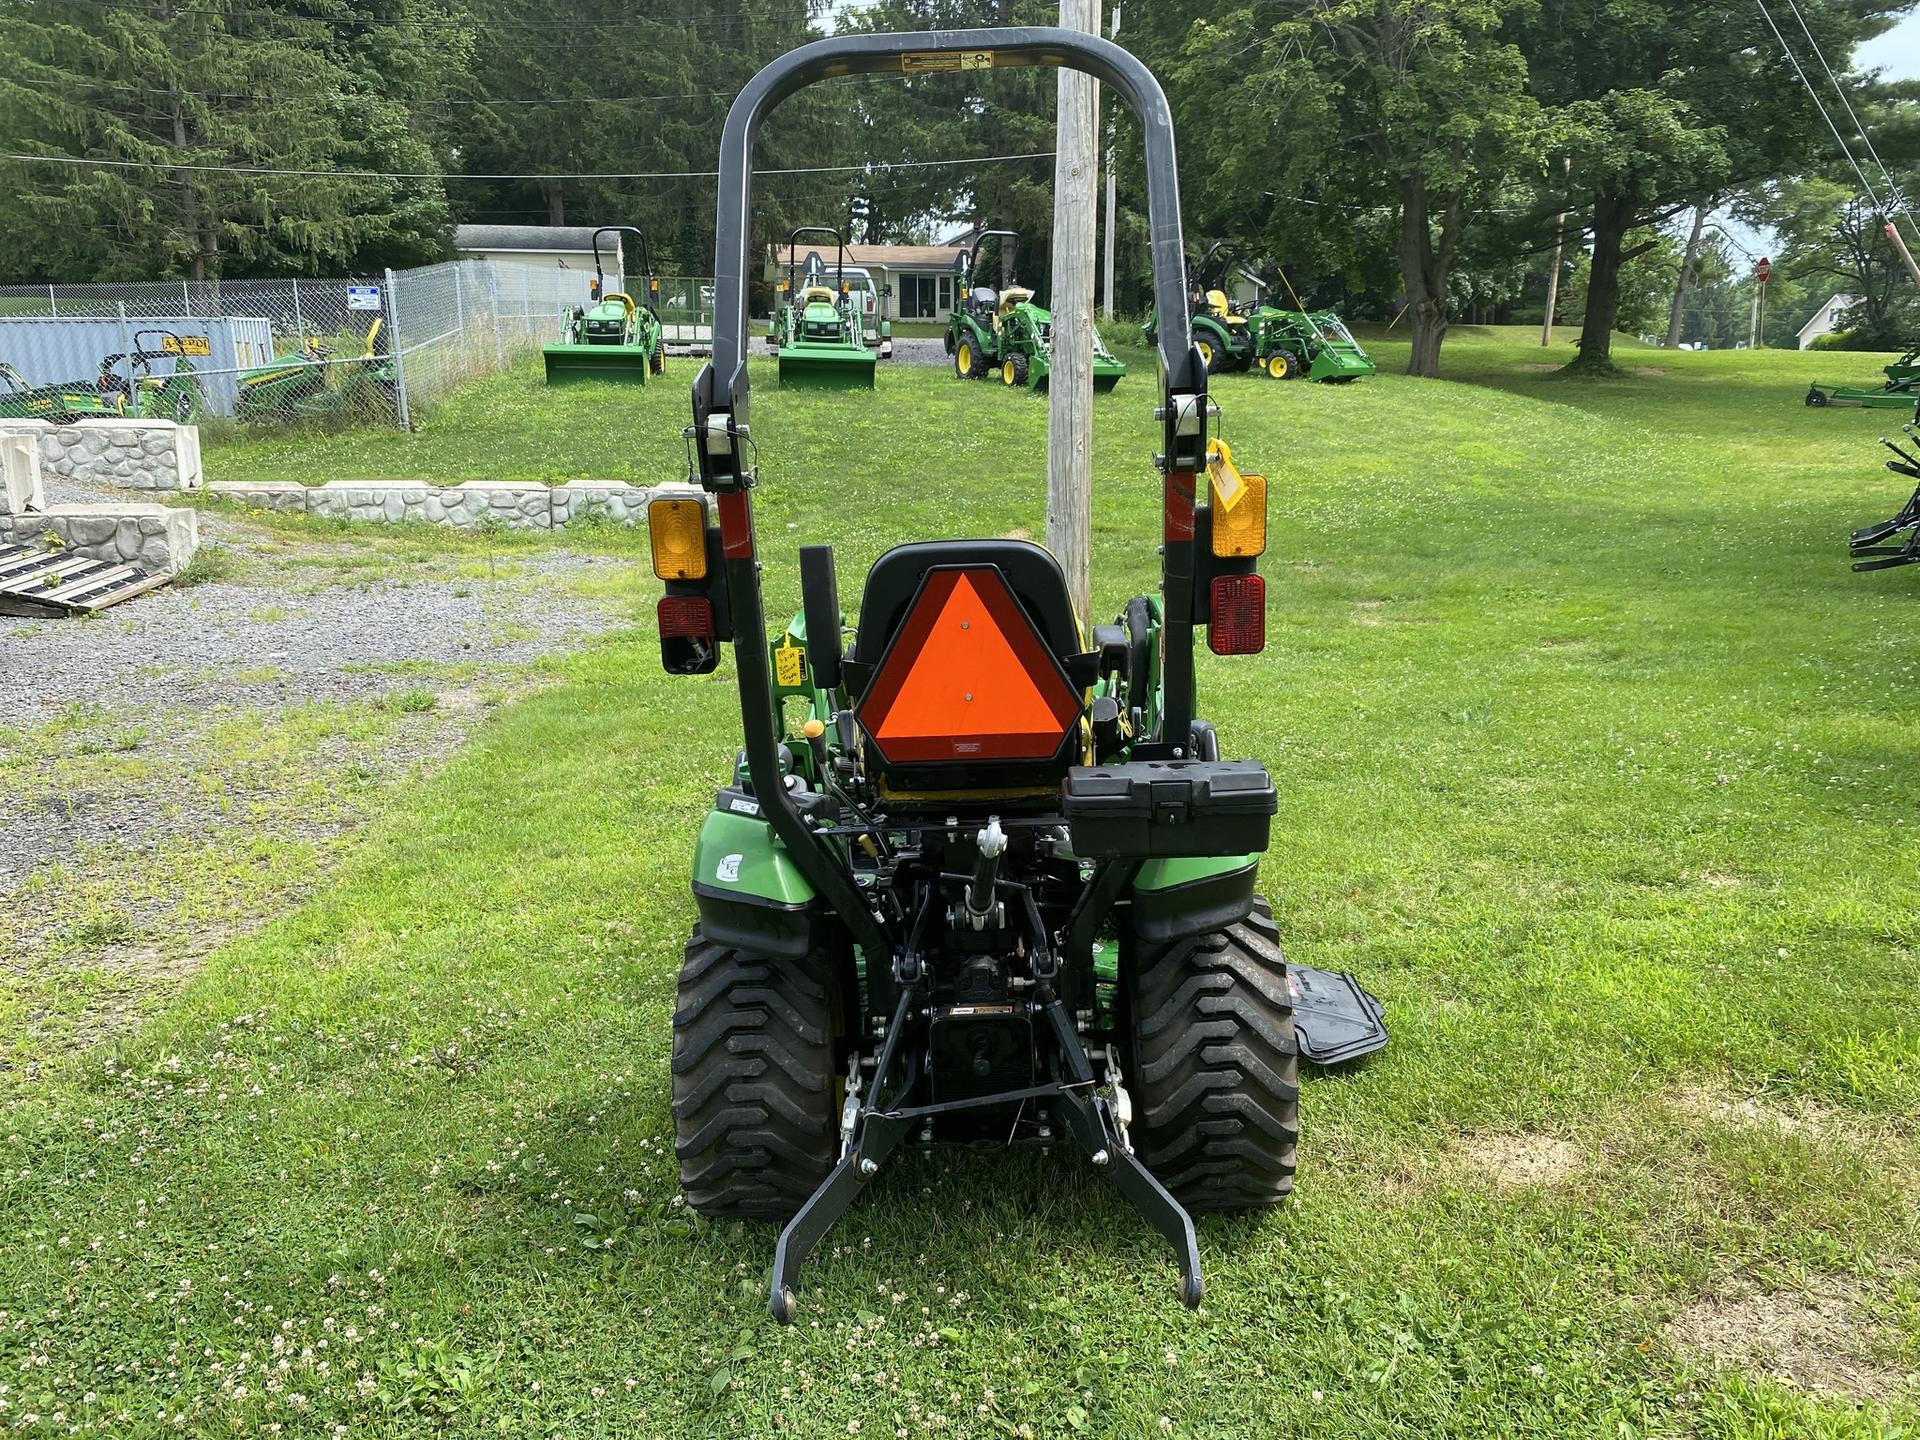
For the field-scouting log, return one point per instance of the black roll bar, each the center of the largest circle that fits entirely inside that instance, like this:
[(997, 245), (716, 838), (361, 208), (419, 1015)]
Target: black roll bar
[(721, 432), (646, 260), (839, 258), (973, 255)]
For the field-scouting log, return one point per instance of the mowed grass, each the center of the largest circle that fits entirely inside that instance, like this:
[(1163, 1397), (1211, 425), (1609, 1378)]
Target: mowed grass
[(1595, 762)]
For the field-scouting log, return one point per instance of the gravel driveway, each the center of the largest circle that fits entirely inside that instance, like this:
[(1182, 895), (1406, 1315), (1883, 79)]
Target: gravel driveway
[(180, 767)]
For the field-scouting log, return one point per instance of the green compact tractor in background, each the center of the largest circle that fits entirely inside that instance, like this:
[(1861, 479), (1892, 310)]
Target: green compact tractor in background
[(128, 382), (1285, 344), (614, 338), (1901, 391), (1005, 332), (816, 330), (979, 876)]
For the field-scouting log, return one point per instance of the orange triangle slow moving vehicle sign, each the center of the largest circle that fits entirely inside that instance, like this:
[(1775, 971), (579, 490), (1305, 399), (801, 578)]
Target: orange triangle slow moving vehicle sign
[(967, 678)]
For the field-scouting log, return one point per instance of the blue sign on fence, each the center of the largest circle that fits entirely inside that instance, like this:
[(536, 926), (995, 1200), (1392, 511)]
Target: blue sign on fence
[(363, 297)]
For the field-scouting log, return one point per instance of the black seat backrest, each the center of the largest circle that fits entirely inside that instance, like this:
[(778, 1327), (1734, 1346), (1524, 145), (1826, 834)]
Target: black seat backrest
[(1031, 573)]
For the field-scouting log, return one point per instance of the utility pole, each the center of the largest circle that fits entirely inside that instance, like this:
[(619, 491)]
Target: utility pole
[(1070, 380), (1113, 190)]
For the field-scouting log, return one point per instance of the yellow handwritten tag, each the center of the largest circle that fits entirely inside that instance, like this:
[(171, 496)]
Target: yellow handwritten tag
[(789, 664), (1228, 487)]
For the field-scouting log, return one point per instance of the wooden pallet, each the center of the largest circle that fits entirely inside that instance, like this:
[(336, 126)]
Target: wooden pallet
[(40, 582)]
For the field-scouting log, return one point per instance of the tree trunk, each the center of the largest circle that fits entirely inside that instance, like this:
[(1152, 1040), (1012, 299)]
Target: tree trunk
[(1612, 215), (556, 206), (1423, 269), (189, 198), (1686, 273)]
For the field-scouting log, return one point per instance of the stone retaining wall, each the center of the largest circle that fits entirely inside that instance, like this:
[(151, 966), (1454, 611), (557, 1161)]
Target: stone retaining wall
[(157, 538), (509, 504), (155, 456)]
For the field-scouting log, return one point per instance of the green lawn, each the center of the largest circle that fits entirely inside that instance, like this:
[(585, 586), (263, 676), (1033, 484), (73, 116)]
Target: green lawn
[(1596, 763)]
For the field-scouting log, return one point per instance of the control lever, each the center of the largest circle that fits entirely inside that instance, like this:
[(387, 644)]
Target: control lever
[(992, 843)]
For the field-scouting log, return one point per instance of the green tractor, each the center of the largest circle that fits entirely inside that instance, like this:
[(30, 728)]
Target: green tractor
[(614, 338), (979, 877), (1901, 391), (140, 392), (818, 330), (1285, 344), (1005, 331)]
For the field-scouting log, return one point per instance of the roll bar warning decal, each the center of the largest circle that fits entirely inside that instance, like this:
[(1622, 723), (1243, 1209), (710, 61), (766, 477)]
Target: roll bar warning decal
[(926, 62)]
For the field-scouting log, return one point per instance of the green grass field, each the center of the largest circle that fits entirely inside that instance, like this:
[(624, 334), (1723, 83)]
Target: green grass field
[(1596, 764)]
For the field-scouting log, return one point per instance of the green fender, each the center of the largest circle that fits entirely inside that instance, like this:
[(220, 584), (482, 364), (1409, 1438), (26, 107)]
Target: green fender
[(1174, 898), (738, 857)]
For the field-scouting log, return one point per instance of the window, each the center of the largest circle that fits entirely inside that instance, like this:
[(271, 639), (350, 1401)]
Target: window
[(925, 297)]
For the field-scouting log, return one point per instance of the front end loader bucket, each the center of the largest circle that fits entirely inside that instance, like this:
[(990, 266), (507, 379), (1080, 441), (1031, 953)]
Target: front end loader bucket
[(1336, 366), (621, 364), (1107, 372), (826, 367)]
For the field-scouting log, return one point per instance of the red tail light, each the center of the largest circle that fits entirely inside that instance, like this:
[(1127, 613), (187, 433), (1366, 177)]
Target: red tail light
[(1237, 617), (688, 642)]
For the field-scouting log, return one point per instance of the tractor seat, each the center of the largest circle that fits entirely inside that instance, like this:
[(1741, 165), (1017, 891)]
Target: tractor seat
[(912, 671), (816, 295), (983, 298), (1217, 303)]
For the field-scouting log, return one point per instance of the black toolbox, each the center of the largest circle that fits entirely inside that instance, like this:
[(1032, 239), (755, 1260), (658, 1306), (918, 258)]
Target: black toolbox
[(1149, 808)]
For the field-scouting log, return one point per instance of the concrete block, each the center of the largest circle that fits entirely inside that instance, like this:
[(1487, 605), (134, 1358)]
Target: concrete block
[(20, 476)]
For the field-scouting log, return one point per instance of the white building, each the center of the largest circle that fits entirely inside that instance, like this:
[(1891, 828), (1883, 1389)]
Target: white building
[(1825, 320), (568, 246)]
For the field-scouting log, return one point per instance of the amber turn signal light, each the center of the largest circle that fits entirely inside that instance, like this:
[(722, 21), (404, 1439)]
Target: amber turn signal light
[(677, 531), (1240, 532)]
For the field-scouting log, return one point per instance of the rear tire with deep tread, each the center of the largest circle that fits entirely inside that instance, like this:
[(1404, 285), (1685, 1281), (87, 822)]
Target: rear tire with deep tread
[(755, 1096), (1216, 1066)]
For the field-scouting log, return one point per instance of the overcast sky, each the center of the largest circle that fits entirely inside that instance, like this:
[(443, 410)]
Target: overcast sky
[(1897, 52)]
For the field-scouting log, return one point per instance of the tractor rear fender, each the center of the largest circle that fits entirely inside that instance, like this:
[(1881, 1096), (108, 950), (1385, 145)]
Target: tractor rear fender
[(1192, 896), (750, 893)]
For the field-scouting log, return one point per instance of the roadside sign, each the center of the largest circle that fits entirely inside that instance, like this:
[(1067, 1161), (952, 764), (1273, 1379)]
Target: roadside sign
[(363, 297), (1763, 269)]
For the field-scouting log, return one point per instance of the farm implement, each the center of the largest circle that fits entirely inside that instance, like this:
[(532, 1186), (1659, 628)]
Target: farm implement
[(125, 387), (60, 402), (980, 877), (1005, 332), (1900, 392), (614, 338), (1894, 542), (817, 331), (313, 385)]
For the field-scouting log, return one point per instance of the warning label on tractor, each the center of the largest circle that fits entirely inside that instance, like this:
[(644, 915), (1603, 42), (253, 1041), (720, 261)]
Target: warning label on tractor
[(929, 62), (186, 345)]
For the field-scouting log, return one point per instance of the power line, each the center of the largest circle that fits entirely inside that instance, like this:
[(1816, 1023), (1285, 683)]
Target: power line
[(1814, 95), (64, 82), (441, 175), (1893, 188), (735, 20)]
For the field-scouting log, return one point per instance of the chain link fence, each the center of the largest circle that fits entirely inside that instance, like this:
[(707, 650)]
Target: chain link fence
[(376, 350)]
